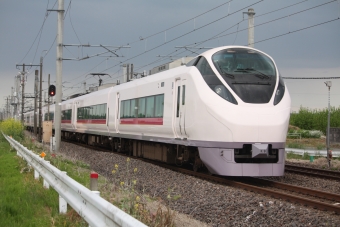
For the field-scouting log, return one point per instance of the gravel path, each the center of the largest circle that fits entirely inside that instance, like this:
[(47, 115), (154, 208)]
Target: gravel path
[(210, 203)]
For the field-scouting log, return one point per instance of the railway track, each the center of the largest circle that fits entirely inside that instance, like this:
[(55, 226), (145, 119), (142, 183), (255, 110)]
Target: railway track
[(295, 194), (325, 174)]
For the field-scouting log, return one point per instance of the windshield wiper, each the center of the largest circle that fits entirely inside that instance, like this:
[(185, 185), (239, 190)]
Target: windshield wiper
[(242, 70), (254, 83), (262, 75), (224, 72)]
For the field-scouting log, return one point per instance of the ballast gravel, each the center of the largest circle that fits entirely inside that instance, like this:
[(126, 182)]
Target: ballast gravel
[(208, 202)]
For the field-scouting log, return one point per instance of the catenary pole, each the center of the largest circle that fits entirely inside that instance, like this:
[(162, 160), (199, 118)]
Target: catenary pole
[(48, 100), (35, 102), (40, 100), (22, 93), (250, 14), (57, 114), (329, 85)]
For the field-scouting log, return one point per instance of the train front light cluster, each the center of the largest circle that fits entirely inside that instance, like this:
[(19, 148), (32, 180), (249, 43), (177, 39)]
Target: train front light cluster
[(280, 91), (224, 93)]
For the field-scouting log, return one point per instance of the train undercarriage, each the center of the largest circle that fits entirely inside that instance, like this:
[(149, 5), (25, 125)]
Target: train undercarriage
[(167, 153)]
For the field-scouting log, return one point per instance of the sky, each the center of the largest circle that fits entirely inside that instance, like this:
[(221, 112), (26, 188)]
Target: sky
[(301, 36)]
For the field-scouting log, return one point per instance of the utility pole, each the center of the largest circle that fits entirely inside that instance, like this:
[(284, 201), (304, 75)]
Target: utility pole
[(59, 76), (40, 100), (48, 100), (329, 85), (251, 14), (131, 77), (7, 107), (35, 102), (22, 92), (57, 114), (22, 73)]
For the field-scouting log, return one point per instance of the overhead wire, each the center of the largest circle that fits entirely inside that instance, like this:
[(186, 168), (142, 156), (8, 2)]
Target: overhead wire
[(232, 27), (167, 29), (241, 30), (40, 30), (291, 31), (180, 36), (267, 22), (203, 26)]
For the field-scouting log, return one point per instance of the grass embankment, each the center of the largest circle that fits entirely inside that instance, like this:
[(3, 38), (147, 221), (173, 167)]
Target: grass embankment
[(23, 200)]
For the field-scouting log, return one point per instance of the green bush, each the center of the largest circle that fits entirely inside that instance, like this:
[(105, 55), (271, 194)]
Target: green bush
[(13, 128), (313, 119)]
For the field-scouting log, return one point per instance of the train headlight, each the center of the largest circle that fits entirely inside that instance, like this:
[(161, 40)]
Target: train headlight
[(220, 90), (280, 91), (224, 93)]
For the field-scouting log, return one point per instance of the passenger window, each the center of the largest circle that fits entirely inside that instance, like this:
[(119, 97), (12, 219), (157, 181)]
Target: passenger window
[(104, 110), (150, 106), (141, 107), (122, 109), (133, 112), (159, 106), (178, 100), (126, 109), (183, 95)]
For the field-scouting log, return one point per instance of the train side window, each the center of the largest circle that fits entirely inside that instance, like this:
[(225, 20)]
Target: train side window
[(122, 109), (150, 106), (100, 111), (132, 108), (141, 107), (86, 112), (159, 106), (178, 100), (104, 110), (126, 109), (80, 113), (95, 112), (183, 95)]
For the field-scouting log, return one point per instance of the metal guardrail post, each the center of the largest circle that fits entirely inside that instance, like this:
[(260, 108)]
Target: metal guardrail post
[(62, 201), (94, 181)]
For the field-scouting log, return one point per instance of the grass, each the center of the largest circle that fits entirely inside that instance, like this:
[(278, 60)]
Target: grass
[(23, 200), (27, 203)]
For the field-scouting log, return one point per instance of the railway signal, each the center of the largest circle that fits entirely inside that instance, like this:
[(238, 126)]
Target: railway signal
[(51, 90)]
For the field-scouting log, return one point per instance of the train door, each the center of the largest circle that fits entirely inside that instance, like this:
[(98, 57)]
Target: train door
[(108, 113), (179, 108), (182, 109), (117, 115)]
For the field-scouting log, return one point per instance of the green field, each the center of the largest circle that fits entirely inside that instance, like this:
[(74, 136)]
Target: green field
[(23, 200)]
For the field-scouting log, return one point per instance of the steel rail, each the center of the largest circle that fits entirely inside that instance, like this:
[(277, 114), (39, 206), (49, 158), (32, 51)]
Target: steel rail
[(297, 189), (326, 174)]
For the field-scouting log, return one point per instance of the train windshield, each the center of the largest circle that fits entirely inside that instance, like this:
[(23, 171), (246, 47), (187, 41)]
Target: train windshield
[(249, 73)]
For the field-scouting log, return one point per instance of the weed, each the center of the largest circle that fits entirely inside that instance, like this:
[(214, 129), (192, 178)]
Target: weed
[(135, 204), (13, 128), (295, 145)]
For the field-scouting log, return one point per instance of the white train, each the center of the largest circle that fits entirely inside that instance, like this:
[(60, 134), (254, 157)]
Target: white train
[(228, 109)]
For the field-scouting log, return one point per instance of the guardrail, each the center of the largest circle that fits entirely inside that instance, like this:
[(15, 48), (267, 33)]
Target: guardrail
[(92, 208), (312, 152)]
